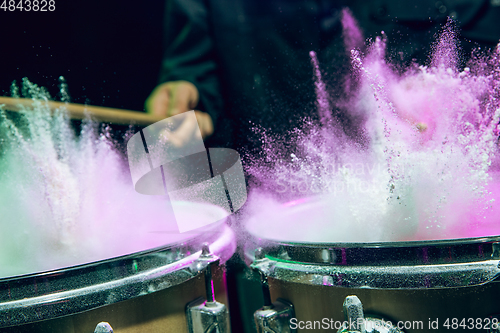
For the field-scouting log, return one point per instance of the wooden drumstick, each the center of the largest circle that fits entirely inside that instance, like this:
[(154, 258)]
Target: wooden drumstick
[(80, 111)]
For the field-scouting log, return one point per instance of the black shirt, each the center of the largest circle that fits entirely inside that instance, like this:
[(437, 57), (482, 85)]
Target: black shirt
[(250, 59)]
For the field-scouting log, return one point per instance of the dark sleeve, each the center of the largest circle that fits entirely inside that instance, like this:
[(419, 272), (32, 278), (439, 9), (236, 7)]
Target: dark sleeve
[(189, 52)]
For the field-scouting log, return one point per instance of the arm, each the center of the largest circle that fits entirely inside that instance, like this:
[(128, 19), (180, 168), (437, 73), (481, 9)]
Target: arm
[(189, 71)]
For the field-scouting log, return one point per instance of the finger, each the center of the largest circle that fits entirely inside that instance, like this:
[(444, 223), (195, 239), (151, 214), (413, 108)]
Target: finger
[(205, 123), (171, 138), (157, 102), (160, 103), (184, 98), (187, 131)]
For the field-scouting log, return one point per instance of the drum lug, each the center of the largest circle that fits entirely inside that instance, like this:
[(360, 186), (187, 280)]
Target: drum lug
[(272, 317), (103, 327), (205, 259), (354, 314), (207, 316), (262, 264), (275, 318), (356, 322)]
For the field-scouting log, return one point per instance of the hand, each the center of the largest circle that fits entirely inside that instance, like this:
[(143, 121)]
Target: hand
[(171, 98)]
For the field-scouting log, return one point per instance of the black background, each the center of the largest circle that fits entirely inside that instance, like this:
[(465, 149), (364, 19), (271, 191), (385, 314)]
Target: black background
[(108, 51)]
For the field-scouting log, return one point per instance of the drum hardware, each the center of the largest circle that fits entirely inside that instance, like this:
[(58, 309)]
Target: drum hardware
[(354, 314), (272, 317), (207, 316), (323, 280), (328, 256), (103, 327), (54, 298), (496, 250), (182, 251), (355, 318), (275, 318), (418, 282), (345, 266), (395, 265)]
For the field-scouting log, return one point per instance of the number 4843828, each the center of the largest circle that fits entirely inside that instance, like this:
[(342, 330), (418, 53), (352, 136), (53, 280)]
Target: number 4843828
[(471, 323), (28, 5)]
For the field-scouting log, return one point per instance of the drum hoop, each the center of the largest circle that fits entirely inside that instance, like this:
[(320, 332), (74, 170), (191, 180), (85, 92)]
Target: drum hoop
[(447, 263), (48, 295), (404, 265), (391, 253), (377, 277), (379, 254)]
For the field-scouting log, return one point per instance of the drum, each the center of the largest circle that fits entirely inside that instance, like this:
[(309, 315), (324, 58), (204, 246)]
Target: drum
[(412, 286), (169, 288)]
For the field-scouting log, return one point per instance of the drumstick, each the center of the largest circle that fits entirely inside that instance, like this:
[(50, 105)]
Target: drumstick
[(80, 111)]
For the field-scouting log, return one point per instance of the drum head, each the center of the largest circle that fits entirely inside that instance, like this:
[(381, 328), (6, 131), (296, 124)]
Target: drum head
[(166, 259), (306, 241), (148, 226), (316, 220)]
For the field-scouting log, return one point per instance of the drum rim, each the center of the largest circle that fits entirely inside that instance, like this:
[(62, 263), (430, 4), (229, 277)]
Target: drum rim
[(445, 263), (392, 244), (39, 296), (353, 253), (355, 267), (422, 252)]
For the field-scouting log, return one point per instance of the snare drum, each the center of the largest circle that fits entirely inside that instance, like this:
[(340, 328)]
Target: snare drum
[(164, 289), (417, 286)]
